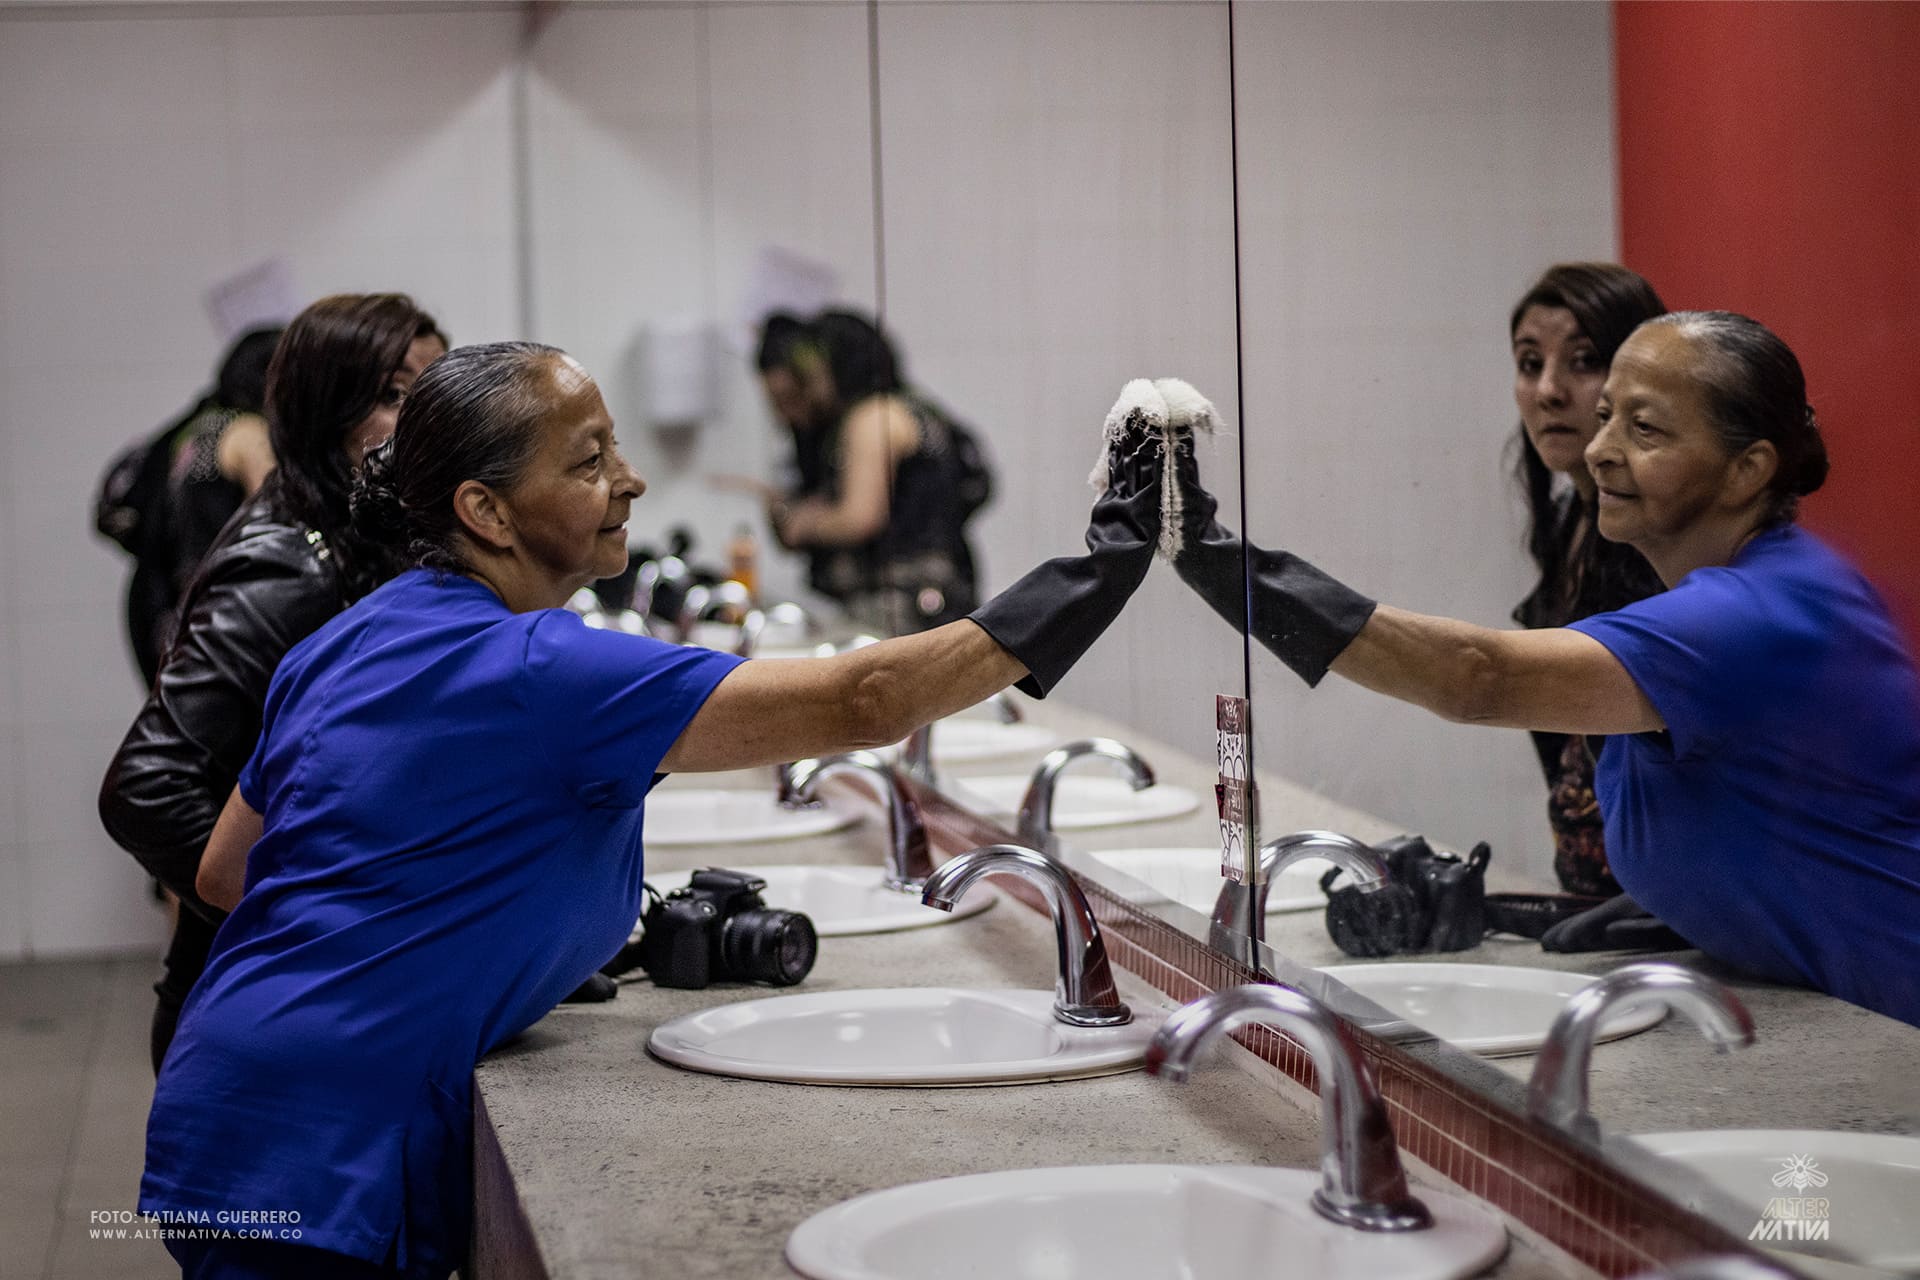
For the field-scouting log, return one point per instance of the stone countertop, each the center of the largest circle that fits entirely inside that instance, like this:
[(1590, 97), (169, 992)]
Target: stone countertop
[(624, 1165)]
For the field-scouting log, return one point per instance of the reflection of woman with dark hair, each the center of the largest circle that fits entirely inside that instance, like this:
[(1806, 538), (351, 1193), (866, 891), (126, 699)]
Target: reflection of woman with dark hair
[(1564, 331), (878, 510), (441, 830), (285, 564), (1760, 782)]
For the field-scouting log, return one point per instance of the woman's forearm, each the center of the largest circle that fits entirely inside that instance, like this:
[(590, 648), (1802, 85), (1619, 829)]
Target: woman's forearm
[(1555, 680), (770, 711)]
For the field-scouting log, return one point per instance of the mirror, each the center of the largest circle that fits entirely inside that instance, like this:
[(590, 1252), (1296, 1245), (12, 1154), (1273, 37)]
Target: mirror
[(1039, 203)]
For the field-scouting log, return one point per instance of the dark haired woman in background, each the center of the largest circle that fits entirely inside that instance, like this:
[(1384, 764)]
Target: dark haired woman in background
[(882, 497), (440, 832), (285, 564), (1564, 331), (1760, 782)]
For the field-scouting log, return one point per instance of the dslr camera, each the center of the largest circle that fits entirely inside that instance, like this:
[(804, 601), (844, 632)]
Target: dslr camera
[(719, 929)]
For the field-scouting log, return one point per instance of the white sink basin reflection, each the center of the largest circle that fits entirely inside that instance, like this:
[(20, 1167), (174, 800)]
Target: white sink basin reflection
[(1870, 1183), (684, 816), (1491, 1009), (1081, 801), (906, 1036), (964, 738), (1195, 1222), (1191, 877), (844, 900)]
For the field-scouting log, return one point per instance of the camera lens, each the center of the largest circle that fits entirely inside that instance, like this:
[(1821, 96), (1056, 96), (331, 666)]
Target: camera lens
[(775, 947)]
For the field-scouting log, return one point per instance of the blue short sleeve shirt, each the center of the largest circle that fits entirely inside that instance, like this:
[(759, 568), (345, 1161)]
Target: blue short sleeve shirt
[(1775, 824), (454, 795)]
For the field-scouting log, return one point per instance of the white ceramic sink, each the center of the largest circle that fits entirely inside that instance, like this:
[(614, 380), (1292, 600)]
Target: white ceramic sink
[(1094, 1222), (1191, 877), (845, 900), (686, 815), (1083, 801), (906, 1036), (1870, 1183), (1492, 1009)]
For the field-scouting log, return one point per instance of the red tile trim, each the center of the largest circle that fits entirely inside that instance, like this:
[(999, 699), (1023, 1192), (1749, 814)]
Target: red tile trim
[(1599, 1215)]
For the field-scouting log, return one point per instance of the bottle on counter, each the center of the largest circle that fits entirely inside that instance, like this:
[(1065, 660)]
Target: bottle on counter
[(743, 560)]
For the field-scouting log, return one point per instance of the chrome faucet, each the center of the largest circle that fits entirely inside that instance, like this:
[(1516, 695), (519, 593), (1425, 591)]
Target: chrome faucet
[(1083, 993), (751, 628), (1557, 1093), (916, 755), (908, 861), (1362, 1184), (1243, 907), (1036, 809)]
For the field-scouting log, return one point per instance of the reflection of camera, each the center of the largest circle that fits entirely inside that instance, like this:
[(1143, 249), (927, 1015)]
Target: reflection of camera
[(718, 929)]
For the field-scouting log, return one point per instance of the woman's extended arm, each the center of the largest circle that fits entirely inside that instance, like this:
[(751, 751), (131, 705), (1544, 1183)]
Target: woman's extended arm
[(1556, 680), (771, 711), (223, 868), (879, 431)]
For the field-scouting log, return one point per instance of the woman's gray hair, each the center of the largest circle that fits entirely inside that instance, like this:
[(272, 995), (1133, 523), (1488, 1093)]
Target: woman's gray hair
[(473, 414)]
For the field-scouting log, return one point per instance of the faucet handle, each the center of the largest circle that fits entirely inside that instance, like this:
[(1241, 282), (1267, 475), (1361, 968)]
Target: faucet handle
[(909, 859), (1363, 1184), (1558, 1090), (1084, 994), (1036, 807)]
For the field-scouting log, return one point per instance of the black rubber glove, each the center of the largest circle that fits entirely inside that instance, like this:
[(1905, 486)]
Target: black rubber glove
[(1302, 616), (1054, 614), (1618, 924)]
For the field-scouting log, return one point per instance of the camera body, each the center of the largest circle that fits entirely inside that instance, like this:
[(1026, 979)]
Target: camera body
[(719, 929)]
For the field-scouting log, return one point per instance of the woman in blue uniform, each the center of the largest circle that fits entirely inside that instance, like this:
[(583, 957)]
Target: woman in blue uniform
[(445, 813), (1760, 786)]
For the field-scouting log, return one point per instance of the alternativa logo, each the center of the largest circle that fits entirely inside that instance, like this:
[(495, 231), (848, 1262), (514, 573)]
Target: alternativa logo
[(1789, 1219)]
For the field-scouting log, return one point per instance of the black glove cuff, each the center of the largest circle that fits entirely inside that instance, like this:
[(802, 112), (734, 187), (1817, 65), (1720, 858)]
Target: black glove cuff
[(1302, 616)]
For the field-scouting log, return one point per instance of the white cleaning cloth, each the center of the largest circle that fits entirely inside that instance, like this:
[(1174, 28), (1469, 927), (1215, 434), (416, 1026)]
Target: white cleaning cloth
[(1168, 408)]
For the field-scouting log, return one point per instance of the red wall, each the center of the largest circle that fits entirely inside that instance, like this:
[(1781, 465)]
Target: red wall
[(1770, 164)]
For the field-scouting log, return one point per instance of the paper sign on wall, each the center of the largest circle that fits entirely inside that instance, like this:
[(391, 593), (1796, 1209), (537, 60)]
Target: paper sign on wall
[(1234, 792), (256, 298)]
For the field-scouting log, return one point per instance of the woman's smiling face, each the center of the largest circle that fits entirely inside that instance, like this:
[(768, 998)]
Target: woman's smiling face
[(1661, 470), (569, 508)]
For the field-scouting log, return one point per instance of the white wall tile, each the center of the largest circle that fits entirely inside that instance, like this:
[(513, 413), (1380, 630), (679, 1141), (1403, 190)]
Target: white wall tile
[(84, 896), (141, 160), (1406, 170)]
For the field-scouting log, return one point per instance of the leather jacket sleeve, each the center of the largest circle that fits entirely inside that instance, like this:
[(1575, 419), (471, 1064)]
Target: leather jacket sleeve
[(262, 589)]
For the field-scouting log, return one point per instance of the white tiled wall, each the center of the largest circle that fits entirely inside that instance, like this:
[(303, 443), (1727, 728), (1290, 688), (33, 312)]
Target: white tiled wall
[(1058, 221), (1406, 171), (142, 159)]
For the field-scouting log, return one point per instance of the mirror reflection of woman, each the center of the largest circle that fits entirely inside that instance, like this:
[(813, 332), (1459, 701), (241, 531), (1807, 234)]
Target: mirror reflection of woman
[(1760, 782), (283, 565), (877, 509), (440, 832), (1564, 331)]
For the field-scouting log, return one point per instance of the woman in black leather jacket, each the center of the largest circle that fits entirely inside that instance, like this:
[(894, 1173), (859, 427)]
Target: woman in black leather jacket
[(285, 563)]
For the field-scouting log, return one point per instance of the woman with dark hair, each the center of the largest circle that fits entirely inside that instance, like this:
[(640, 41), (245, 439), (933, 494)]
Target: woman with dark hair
[(881, 505), (1760, 782), (283, 565), (440, 831), (189, 479), (1564, 331)]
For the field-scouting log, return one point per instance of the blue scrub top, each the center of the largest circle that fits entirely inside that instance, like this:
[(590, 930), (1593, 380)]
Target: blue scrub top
[(1775, 824), (453, 796)]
